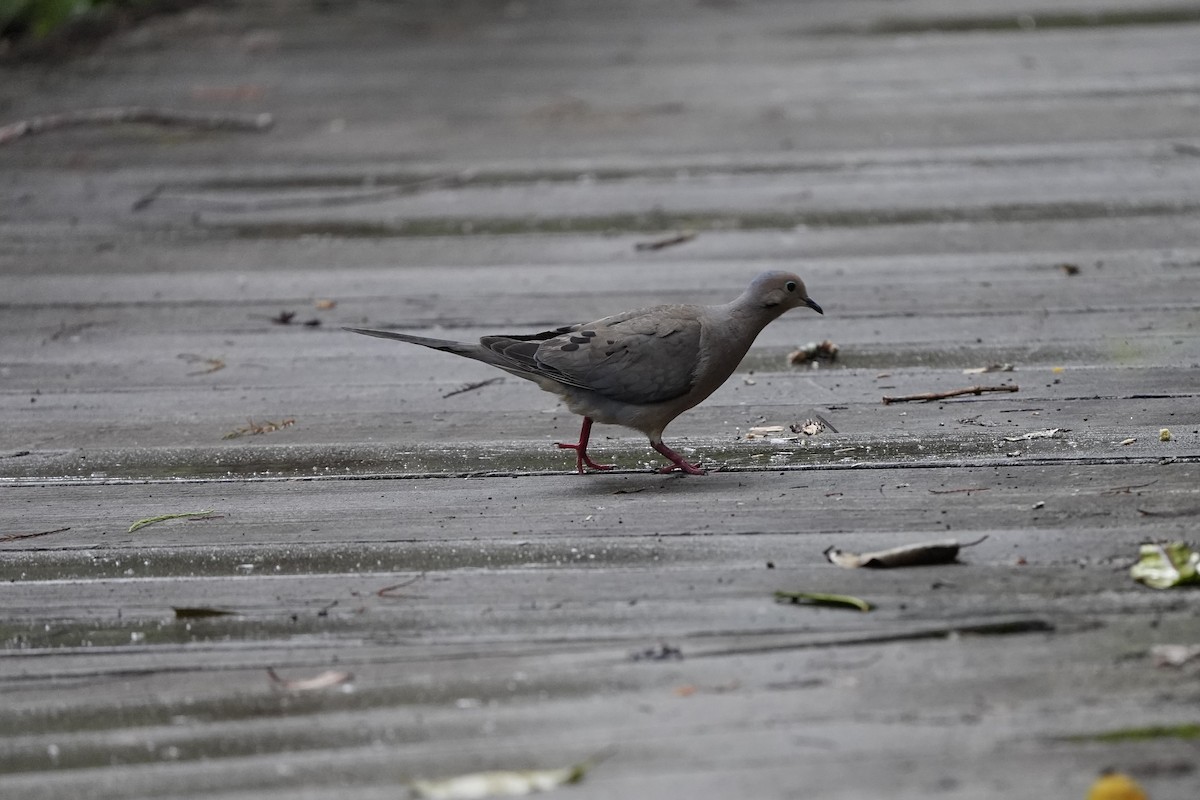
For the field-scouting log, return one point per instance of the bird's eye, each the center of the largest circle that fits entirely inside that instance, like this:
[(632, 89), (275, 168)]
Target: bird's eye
[(790, 286)]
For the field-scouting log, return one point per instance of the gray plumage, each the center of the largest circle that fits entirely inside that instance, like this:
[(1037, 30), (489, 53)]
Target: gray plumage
[(642, 368)]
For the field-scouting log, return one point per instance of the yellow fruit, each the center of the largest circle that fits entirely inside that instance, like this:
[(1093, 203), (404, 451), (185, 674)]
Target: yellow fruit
[(1115, 786)]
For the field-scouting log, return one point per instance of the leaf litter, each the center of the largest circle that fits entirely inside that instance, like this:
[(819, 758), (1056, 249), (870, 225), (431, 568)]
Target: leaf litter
[(1164, 565), (503, 783), (909, 555), (823, 599)]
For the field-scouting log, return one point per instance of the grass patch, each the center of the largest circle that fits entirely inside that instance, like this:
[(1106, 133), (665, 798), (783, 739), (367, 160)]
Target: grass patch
[(1033, 21), (1187, 730)]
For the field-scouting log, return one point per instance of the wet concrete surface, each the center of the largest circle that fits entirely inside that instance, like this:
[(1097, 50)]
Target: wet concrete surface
[(959, 186)]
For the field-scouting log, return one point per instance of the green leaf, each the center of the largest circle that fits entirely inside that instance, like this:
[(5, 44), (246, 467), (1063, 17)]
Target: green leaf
[(11, 10), (1162, 565), (141, 523), (822, 599)]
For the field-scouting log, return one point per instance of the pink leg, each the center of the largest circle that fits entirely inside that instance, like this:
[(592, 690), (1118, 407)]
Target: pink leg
[(581, 456), (676, 459)]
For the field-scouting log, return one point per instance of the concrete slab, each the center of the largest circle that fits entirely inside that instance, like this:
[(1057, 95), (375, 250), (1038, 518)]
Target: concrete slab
[(959, 185)]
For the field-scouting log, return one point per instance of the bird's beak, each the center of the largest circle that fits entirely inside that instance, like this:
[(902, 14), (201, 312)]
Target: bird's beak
[(808, 301)]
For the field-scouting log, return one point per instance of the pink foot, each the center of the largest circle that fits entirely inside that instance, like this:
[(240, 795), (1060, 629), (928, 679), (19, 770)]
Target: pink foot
[(581, 456), (677, 461)]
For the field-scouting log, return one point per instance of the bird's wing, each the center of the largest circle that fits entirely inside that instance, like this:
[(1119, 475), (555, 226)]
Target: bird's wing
[(639, 357)]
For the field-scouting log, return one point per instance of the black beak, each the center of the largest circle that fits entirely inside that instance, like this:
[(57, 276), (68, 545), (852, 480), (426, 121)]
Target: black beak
[(808, 301)]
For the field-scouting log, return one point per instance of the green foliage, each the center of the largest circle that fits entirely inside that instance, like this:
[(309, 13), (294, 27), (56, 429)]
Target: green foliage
[(37, 18)]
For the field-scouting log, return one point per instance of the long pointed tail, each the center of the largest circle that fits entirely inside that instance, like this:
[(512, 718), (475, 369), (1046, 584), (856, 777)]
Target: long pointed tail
[(458, 348)]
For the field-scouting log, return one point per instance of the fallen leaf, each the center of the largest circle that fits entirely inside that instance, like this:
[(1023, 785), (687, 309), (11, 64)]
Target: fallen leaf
[(253, 428), (141, 523), (822, 599), (1174, 655), (814, 351), (1167, 564), (325, 680), (211, 364), (1115, 786), (1025, 437), (195, 612), (989, 368), (325, 305), (501, 783), (911, 555)]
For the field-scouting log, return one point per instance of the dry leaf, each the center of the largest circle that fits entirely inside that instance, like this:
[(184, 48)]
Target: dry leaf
[(325, 680), (501, 783), (1046, 434), (814, 351), (811, 427), (1174, 655), (253, 428), (989, 368), (910, 555), (194, 612)]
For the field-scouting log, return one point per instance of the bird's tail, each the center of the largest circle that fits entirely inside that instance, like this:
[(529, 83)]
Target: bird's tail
[(458, 348)]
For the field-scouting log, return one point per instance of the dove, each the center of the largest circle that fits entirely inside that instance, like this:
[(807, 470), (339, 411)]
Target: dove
[(640, 369)]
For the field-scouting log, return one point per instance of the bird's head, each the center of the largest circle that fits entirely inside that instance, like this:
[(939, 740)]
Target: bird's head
[(780, 291)]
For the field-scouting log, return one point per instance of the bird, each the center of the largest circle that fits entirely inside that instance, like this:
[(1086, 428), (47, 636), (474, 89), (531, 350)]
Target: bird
[(639, 369)]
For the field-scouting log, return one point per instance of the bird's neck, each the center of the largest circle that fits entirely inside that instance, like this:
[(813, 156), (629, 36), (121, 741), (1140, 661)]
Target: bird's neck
[(751, 316)]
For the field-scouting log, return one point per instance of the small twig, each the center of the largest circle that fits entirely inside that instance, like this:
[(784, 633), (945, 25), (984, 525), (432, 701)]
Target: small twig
[(12, 537), (155, 116), (1183, 512), (470, 387), (368, 195), (387, 591), (1125, 489), (929, 397), (967, 490), (149, 197), (671, 241)]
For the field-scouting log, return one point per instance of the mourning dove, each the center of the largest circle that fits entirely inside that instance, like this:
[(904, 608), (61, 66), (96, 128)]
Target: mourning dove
[(640, 369)]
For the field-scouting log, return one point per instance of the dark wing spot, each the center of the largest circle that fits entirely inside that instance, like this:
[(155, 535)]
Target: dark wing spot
[(568, 348), (588, 334), (580, 339)]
